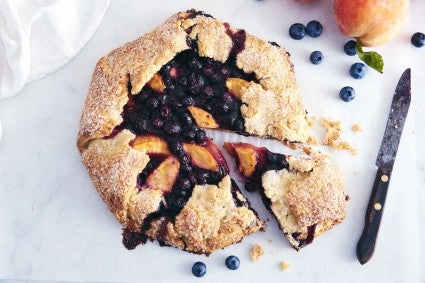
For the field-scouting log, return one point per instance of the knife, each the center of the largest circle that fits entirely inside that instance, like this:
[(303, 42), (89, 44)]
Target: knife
[(384, 161)]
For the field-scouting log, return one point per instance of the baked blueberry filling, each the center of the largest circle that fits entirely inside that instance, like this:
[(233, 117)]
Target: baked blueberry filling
[(173, 107)]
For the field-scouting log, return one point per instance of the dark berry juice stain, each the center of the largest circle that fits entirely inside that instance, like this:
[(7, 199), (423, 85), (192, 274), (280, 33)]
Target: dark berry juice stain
[(190, 80), (311, 230), (238, 39)]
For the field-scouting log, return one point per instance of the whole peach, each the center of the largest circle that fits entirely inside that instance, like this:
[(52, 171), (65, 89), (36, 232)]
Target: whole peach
[(372, 22)]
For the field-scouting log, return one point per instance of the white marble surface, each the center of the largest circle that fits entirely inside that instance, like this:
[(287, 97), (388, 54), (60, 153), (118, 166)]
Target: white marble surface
[(54, 226)]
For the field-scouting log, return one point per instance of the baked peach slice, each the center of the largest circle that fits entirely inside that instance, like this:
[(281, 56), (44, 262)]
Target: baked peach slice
[(157, 83), (164, 176), (246, 156), (201, 156), (235, 86), (151, 145), (202, 118)]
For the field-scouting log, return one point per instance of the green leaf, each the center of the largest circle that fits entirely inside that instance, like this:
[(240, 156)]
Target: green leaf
[(372, 58)]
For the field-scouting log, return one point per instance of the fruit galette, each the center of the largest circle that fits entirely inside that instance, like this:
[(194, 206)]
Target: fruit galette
[(142, 140)]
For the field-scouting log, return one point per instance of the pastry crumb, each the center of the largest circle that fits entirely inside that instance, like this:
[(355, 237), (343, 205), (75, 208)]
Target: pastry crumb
[(284, 265), (311, 121), (333, 133), (356, 128), (312, 140), (269, 240), (256, 252)]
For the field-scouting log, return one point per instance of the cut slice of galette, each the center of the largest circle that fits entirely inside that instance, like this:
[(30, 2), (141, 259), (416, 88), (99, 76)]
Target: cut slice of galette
[(141, 134), (304, 194)]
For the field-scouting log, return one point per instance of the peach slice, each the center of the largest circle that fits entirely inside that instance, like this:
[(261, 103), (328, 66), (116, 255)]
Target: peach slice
[(151, 145), (200, 156), (247, 157), (235, 86), (156, 83), (164, 176), (203, 118)]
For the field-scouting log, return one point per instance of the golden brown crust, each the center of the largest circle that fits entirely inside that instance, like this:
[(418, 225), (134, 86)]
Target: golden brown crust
[(312, 195), (113, 164), (270, 114), (210, 220)]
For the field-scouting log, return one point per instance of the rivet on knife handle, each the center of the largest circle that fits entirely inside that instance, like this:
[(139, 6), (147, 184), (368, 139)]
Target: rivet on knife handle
[(375, 208)]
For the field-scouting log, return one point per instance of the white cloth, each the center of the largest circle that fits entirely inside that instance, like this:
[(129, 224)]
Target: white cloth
[(38, 37)]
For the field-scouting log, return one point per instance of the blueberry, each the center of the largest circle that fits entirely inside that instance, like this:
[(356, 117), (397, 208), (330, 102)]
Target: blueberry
[(190, 135), (314, 28), (347, 93), (350, 48), (177, 148), (201, 137), (358, 70), (172, 128), (185, 184), (199, 269), (165, 111), (418, 39), (185, 118), (188, 100), (297, 31), (207, 92), (316, 57), (157, 123), (202, 177), (232, 262), (195, 64), (183, 80), (152, 102)]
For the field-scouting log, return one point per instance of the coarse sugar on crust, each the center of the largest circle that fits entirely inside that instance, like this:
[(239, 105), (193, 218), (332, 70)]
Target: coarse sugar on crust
[(210, 220), (114, 165), (310, 194)]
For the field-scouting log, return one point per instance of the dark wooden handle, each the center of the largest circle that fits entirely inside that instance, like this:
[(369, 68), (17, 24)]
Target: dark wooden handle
[(375, 209)]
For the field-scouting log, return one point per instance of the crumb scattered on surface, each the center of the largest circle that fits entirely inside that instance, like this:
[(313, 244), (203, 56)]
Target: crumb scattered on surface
[(347, 197), (312, 140), (311, 121), (256, 252), (333, 130), (269, 240), (284, 265), (356, 128), (333, 133), (291, 145)]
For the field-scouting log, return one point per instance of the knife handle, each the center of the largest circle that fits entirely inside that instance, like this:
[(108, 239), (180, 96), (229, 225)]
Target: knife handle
[(375, 209)]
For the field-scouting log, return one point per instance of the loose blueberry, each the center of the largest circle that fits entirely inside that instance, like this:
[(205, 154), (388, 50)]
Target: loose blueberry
[(350, 48), (316, 57), (418, 39), (297, 31), (347, 93), (199, 269), (358, 70), (232, 262), (314, 28)]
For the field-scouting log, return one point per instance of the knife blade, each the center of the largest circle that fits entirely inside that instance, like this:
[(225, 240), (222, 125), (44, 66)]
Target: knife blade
[(385, 162)]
